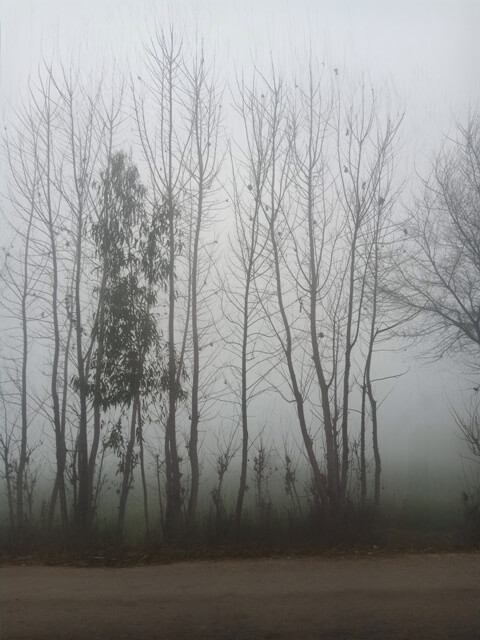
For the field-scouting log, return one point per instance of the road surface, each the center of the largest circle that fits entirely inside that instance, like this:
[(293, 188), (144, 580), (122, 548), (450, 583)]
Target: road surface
[(362, 597)]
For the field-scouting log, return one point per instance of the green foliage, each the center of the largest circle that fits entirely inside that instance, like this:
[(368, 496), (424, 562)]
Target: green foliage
[(130, 336), (121, 208), (115, 440), (129, 242)]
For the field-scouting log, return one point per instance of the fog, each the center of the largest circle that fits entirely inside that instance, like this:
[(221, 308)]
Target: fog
[(420, 59)]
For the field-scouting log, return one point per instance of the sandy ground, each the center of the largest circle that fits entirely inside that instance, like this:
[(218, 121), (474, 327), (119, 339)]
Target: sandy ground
[(363, 597)]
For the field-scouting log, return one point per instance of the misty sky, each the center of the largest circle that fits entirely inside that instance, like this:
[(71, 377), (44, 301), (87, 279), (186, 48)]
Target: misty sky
[(424, 54), (425, 51)]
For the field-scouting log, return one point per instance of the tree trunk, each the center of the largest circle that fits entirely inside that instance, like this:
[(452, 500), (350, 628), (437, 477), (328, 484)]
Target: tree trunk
[(244, 405), (142, 469), (60, 445), (319, 478), (127, 469), (82, 515), (174, 497), (363, 463), (348, 364), (195, 417), (22, 458)]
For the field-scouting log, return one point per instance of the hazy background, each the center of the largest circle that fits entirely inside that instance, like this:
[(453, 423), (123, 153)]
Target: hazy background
[(425, 57)]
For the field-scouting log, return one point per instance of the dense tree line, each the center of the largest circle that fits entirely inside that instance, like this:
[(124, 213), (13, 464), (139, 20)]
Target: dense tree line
[(173, 261)]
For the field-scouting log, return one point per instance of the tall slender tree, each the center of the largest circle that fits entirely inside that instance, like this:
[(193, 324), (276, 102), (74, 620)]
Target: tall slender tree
[(130, 244)]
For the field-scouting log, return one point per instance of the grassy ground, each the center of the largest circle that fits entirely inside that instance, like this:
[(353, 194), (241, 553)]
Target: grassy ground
[(420, 528)]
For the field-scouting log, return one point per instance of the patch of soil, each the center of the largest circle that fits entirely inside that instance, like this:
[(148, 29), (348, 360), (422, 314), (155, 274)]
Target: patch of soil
[(340, 597)]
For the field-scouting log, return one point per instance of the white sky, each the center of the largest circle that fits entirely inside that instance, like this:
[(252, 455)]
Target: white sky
[(425, 53), (429, 49)]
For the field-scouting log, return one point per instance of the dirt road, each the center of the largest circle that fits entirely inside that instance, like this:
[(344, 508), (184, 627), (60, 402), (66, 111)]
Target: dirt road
[(366, 597)]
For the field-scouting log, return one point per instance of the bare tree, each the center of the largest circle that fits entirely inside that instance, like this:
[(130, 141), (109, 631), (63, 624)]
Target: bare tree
[(271, 158), (381, 263), (80, 131), (204, 115), (165, 147), (103, 261), (181, 151), (8, 458), (319, 233), (49, 215), (23, 277), (244, 314), (226, 452), (326, 167), (366, 160), (469, 427), (439, 278)]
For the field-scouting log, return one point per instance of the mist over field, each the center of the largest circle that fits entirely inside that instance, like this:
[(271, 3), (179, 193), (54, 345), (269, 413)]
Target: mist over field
[(239, 271)]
